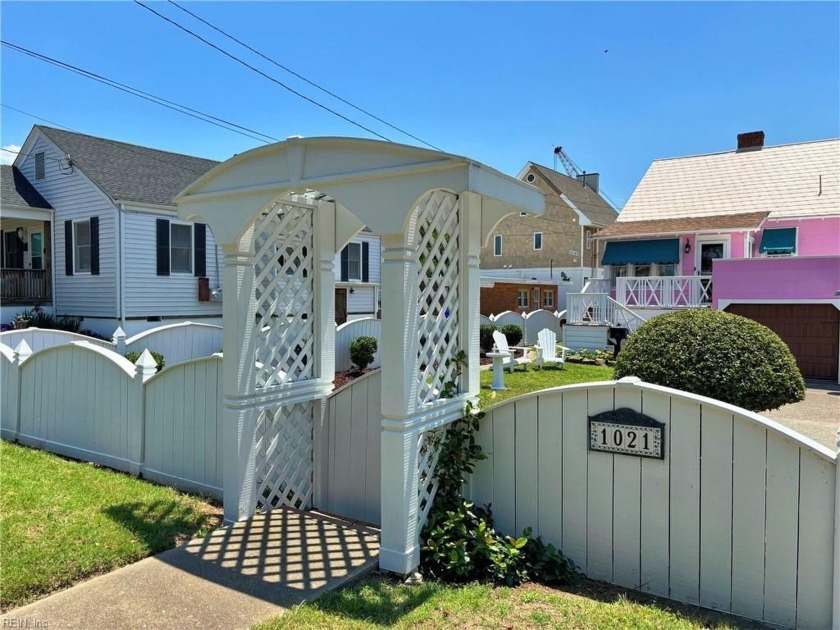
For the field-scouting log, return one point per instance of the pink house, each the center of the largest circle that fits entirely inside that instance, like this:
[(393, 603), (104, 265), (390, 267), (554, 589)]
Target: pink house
[(754, 231)]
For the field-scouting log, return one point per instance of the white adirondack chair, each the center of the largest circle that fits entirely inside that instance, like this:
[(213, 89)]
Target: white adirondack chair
[(547, 348), (512, 361)]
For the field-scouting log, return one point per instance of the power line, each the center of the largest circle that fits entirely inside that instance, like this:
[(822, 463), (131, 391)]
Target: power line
[(122, 145), (261, 73), (158, 100), (301, 77)]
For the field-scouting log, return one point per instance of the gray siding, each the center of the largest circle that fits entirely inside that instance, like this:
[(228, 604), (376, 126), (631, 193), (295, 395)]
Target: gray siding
[(73, 197), (148, 294)]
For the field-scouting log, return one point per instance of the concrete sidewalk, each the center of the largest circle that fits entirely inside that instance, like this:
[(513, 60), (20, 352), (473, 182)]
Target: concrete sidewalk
[(232, 578), (818, 416)]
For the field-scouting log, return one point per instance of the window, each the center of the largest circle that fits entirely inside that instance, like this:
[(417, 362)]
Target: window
[(618, 271), (530, 178), (548, 298), (40, 166), (81, 247), (523, 298), (537, 240), (354, 261), (641, 271), (523, 214), (180, 247), (588, 240), (667, 270), (497, 245), (12, 250)]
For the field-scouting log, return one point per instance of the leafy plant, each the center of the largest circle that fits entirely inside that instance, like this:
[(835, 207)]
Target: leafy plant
[(157, 356), (362, 350), (715, 354), (38, 318), (459, 542), (485, 337), (512, 333)]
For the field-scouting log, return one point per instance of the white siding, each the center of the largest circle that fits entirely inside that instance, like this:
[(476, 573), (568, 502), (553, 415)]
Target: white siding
[(148, 294), (374, 261), (73, 197), (361, 301)]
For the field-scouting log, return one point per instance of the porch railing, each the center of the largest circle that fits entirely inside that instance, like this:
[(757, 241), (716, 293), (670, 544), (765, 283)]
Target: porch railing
[(596, 285), (600, 309), (25, 285), (664, 291)]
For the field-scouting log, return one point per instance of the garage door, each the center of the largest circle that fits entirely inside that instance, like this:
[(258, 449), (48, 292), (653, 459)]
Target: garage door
[(812, 331)]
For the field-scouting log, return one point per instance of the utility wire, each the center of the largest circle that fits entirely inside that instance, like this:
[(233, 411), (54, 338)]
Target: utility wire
[(261, 73), (122, 145), (300, 76), (189, 111)]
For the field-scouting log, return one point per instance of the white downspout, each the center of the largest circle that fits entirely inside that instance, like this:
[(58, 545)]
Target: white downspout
[(120, 266), (52, 262), (580, 257)]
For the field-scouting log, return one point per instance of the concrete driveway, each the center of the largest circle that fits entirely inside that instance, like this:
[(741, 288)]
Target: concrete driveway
[(818, 416)]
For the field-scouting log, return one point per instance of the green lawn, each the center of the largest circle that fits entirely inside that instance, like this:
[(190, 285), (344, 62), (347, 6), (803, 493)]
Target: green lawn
[(521, 382), (62, 521), (378, 603)]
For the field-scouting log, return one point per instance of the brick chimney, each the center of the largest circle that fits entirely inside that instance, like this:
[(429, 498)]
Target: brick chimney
[(751, 141)]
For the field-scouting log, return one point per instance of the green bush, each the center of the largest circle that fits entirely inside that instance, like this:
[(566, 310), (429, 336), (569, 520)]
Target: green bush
[(485, 337), (362, 350), (157, 356), (714, 354), (512, 333)]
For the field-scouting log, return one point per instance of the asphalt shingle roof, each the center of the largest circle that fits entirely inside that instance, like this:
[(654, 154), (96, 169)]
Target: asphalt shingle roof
[(127, 172), (15, 189), (590, 203), (793, 180), (745, 221)]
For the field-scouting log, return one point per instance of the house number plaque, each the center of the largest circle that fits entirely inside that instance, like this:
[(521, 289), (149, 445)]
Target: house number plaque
[(628, 432)]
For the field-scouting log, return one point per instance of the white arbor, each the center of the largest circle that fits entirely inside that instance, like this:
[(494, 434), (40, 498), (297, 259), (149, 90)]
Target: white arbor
[(281, 213)]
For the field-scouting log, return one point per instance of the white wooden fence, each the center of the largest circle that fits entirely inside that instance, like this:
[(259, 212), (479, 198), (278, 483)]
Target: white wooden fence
[(531, 323), (176, 342), (90, 403), (739, 516), (347, 451), (347, 332)]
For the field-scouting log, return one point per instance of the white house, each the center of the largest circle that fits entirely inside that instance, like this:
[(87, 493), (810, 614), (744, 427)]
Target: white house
[(88, 229)]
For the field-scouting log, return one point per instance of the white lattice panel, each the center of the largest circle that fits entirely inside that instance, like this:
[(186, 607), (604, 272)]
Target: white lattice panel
[(284, 457), (436, 228), (428, 449), (284, 294)]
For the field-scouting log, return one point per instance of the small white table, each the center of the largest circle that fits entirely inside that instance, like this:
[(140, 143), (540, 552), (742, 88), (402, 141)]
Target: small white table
[(498, 369)]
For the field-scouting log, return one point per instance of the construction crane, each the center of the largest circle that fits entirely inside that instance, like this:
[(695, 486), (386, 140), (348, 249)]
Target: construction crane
[(571, 167)]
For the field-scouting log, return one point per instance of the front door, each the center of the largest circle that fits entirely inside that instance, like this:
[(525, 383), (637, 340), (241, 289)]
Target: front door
[(340, 306), (36, 249), (707, 253)]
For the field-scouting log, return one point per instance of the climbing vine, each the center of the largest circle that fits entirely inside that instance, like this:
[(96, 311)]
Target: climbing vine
[(459, 542)]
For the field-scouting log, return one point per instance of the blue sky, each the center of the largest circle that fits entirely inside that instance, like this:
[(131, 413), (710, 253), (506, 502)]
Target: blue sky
[(616, 84)]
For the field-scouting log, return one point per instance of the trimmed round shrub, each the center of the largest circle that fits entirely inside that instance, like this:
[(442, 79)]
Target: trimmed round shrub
[(512, 333), (362, 350), (715, 354), (157, 356), (485, 336)]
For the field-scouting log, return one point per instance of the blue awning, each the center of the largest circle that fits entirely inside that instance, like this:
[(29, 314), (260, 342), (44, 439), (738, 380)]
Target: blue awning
[(663, 251), (778, 241)]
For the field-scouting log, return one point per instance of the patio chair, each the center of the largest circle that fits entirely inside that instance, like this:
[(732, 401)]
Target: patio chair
[(512, 361), (547, 348)]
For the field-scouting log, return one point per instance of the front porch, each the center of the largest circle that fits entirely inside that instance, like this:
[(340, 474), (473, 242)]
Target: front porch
[(25, 261)]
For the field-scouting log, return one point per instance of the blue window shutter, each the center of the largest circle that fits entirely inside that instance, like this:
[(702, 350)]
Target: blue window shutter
[(94, 246), (345, 263), (162, 247), (200, 249), (68, 248), (365, 260)]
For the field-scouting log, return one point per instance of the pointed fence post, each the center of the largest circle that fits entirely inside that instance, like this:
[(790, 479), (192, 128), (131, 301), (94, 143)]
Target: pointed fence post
[(22, 353), (118, 339), (144, 368)]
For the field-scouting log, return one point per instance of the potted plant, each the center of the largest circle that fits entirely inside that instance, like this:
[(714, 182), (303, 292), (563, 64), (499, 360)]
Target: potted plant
[(22, 320)]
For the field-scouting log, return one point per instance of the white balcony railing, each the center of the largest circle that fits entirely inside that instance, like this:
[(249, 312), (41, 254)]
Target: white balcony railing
[(596, 285), (664, 292), (600, 309)]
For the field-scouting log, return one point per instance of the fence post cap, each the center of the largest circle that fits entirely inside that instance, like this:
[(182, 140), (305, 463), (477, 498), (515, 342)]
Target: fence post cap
[(146, 366), (22, 350), (119, 333)]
